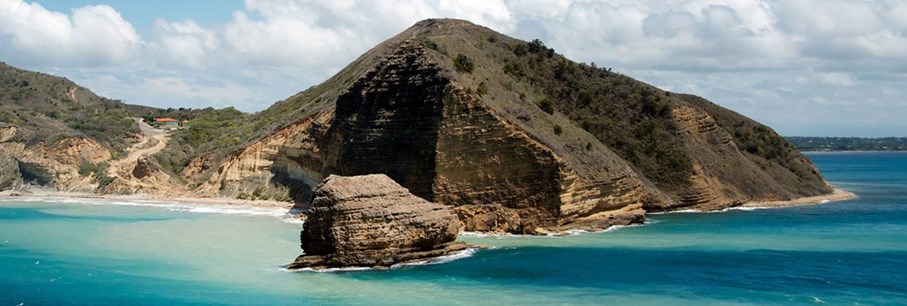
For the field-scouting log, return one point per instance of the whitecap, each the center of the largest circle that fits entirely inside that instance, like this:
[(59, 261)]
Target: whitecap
[(439, 260), (743, 208), (329, 270), (250, 211), (491, 235), (292, 219), (433, 261), (682, 211)]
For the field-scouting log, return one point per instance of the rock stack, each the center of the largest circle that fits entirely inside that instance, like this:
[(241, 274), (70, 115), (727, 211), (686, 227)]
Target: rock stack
[(371, 221)]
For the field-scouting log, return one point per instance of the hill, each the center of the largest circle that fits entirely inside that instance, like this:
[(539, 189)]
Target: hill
[(47, 107), (55, 132), (517, 137)]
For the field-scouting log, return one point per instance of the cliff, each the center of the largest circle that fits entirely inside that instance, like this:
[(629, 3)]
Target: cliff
[(516, 137)]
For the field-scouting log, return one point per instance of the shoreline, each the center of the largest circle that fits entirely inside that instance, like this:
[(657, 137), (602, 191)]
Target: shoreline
[(188, 202), (147, 199), (836, 195)]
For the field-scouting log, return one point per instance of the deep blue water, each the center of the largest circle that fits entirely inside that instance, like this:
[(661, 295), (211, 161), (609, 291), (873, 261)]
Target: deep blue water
[(852, 252)]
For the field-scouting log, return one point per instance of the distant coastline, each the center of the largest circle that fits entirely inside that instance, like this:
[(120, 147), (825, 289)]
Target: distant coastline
[(848, 144)]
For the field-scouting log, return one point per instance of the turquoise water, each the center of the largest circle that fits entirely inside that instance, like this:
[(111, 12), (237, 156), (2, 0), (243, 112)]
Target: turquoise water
[(839, 253)]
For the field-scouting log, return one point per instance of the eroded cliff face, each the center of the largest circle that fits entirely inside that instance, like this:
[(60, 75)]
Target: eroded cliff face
[(371, 221), (476, 141), (409, 119), (54, 165)]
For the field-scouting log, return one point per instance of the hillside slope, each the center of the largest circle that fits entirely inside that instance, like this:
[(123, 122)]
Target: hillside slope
[(57, 133), (515, 136)]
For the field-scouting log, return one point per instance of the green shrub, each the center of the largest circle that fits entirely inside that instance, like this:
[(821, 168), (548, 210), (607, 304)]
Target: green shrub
[(514, 70), (104, 180), (463, 64), (546, 105), (558, 130)]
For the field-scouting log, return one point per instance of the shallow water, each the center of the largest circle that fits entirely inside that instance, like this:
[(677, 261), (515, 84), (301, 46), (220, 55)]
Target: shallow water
[(847, 252)]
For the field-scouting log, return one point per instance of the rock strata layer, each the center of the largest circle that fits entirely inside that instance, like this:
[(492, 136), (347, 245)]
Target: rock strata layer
[(371, 221)]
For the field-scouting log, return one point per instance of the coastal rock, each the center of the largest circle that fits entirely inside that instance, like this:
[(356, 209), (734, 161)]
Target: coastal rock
[(9, 172), (56, 164), (371, 221)]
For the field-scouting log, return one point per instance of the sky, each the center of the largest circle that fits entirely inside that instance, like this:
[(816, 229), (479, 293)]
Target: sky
[(805, 68)]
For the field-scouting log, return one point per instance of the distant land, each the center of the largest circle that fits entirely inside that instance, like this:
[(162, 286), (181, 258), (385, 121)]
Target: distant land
[(848, 143)]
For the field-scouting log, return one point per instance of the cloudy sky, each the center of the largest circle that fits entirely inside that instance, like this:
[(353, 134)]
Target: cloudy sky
[(816, 68)]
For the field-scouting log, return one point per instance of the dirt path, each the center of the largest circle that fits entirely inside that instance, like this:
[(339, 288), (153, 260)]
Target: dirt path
[(149, 134)]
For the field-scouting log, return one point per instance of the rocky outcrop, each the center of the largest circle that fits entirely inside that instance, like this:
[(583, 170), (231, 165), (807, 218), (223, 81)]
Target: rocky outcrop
[(371, 221), (56, 164), (145, 177), (143, 167), (10, 176)]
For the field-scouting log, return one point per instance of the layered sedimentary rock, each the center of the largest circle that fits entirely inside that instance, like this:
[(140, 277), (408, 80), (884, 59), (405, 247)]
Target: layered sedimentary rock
[(58, 164), (476, 139), (371, 221)]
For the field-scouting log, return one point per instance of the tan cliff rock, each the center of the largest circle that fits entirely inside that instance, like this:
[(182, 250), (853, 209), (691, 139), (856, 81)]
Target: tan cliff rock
[(144, 177), (371, 221), (506, 165), (58, 164)]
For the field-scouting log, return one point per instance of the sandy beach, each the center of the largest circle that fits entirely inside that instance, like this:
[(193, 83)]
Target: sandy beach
[(151, 199), (836, 195)]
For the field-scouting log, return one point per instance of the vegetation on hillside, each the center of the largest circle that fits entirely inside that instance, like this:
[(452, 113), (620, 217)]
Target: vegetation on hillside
[(753, 137), (630, 117), (217, 133), (51, 108)]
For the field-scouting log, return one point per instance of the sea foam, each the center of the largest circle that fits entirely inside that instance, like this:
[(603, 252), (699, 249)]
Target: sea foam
[(437, 260)]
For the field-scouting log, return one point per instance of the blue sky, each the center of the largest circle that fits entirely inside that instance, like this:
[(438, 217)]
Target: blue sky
[(804, 67), (142, 14)]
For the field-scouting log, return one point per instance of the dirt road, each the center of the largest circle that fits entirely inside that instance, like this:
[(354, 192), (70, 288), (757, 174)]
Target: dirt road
[(159, 139)]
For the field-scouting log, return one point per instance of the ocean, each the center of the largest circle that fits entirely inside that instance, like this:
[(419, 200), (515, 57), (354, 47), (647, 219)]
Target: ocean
[(851, 252)]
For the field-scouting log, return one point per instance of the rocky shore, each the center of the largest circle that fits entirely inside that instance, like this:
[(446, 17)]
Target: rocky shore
[(371, 221)]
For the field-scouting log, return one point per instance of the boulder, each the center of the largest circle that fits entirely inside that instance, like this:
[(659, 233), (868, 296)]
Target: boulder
[(143, 167), (371, 221)]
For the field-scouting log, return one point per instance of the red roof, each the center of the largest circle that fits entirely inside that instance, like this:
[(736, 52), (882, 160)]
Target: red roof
[(185, 120), (165, 120)]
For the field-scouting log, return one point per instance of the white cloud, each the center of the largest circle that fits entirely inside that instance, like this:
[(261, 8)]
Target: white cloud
[(769, 59), (184, 43), (187, 91), (91, 35)]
